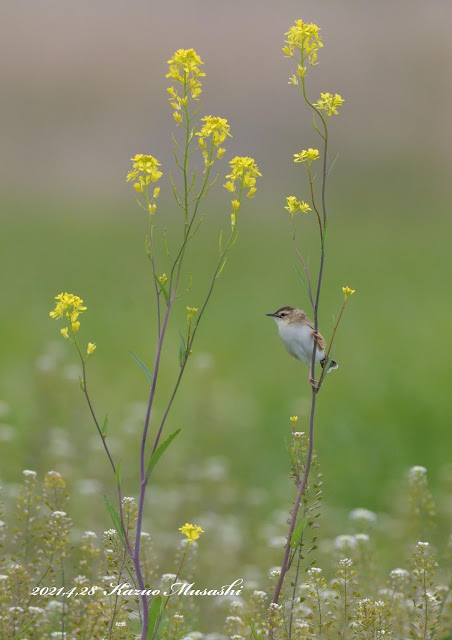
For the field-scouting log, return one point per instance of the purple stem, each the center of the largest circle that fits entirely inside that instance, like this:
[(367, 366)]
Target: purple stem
[(143, 479)]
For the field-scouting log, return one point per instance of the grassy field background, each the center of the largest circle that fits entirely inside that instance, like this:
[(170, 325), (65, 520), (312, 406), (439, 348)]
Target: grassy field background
[(69, 223)]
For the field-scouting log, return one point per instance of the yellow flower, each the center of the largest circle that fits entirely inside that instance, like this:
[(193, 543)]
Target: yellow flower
[(307, 155), (191, 531), (71, 306), (245, 170), (184, 69), (329, 103), (220, 152), (233, 219), (294, 205), (294, 419), (235, 205), (191, 312), (163, 279), (348, 292), (145, 171), (156, 192), (90, 348), (216, 127), (304, 38)]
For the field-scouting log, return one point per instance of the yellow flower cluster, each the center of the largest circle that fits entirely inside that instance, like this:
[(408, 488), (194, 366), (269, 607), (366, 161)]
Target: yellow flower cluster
[(294, 205), (191, 312), (163, 279), (145, 171), (306, 39), (245, 171), (329, 103), (348, 292), (218, 130), (307, 156), (191, 531), (294, 419), (71, 306), (184, 69)]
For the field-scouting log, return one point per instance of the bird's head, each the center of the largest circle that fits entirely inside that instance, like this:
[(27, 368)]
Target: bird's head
[(286, 315)]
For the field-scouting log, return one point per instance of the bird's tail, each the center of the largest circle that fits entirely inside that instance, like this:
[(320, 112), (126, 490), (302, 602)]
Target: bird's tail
[(332, 364)]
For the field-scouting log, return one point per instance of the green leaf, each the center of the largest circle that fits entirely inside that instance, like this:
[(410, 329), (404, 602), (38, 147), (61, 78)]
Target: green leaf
[(114, 515), (142, 365), (182, 348), (25, 629), (105, 426), (253, 628), (221, 269), (162, 288), (155, 615), (298, 532), (160, 451), (118, 474)]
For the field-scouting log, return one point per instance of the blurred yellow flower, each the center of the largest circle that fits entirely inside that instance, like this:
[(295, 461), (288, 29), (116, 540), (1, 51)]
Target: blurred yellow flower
[(307, 155), (348, 292), (90, 348), (75, 326), (191, 531), (191, 312), (294, 419), (294, 205), (65, 332)]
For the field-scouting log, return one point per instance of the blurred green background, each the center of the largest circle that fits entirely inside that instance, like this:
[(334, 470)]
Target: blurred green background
[(83, 91)]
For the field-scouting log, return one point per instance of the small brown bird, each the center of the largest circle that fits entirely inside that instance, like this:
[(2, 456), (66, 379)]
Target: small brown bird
[(298, 335)]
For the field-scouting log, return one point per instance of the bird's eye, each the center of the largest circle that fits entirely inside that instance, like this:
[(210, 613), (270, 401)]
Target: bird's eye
[(281, 315)]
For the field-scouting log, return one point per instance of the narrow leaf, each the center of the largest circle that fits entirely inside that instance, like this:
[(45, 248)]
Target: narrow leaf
[(332, 165), (298, 532), (142, 365), (162, 288), (25, 629), (221, 269), (105, 426), (114, 515), (160, 451), (182, 348), (155, 614), (253, 628)]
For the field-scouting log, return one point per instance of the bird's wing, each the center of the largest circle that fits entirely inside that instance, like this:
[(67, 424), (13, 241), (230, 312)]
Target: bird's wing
[(321, 342)]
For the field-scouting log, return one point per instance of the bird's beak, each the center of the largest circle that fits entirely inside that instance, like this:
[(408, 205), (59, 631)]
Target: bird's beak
[(272, 315)]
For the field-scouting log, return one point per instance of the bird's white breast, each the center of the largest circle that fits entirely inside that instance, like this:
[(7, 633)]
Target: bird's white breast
[(298, 340)]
